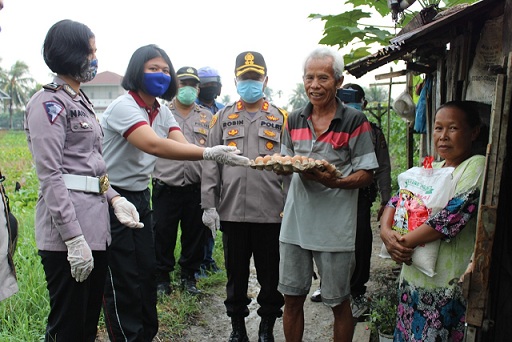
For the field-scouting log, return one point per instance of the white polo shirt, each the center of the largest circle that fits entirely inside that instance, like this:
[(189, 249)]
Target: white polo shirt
[(128, 167)]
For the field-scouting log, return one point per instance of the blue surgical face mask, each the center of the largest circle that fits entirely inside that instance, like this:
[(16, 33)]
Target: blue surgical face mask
[(88, 71), (355, 105), (156, 83), (187, 95), (250, 90)]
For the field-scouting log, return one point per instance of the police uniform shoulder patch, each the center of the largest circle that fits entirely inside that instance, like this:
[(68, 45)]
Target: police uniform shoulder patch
[(239, 105), (265, 106), (284, 112), (52, 109), (214, 120), (52, 86)]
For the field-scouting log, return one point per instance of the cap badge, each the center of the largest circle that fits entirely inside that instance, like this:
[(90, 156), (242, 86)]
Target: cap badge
[(249, 59)]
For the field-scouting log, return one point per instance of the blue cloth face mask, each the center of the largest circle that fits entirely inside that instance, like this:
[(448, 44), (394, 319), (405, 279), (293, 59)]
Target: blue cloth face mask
[(88, 71), (250, 90), (355, 105), (156, 83), (187, 95)]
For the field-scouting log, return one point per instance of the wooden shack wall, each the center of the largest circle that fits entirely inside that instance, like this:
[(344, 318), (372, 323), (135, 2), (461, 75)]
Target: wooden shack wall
[(500, 282)]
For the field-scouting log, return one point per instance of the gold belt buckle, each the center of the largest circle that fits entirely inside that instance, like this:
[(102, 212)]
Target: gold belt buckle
[(104, 183)]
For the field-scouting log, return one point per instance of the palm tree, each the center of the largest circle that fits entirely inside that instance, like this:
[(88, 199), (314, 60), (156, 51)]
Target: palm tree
[(226, 99), (299, 98), (376, 94), (19, 85), (269, 92)]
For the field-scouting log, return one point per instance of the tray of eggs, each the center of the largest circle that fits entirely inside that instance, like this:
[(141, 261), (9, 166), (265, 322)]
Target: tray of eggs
[(296, 163)]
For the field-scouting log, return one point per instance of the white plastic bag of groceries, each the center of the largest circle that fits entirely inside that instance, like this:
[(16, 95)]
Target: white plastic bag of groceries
[(423, 193)]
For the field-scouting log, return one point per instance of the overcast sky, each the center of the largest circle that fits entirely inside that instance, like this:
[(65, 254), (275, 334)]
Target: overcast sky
[(192, 32)]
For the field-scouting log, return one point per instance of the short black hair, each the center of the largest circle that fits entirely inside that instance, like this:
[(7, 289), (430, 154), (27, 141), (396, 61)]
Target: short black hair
[(67, 46), (474, 111), (470, 108), (134, 77)]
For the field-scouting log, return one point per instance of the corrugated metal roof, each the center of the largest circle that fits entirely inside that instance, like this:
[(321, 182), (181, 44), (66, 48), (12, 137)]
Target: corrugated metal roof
[(435, 33)]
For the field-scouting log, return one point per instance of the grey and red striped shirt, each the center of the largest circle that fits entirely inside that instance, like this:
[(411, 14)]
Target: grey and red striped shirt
[(317, 217)]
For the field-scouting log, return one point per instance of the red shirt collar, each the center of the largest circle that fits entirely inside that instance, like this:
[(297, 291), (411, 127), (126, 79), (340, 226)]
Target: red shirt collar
[(152, 111)]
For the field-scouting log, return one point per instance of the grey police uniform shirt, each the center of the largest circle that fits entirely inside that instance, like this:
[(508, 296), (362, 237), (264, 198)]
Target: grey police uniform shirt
[(243, 194), (65, 137), (194, 126), (8, 284)]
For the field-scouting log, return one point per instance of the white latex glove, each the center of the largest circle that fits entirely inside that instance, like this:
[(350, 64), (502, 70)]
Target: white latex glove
[(80, 258), (126, 213), (225, 155), (211, 219)]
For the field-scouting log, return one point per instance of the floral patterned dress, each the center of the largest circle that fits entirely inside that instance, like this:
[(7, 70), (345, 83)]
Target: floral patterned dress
[(433, 308)]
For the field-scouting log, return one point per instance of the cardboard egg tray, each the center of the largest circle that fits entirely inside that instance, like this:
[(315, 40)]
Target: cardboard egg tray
[(296, 163)]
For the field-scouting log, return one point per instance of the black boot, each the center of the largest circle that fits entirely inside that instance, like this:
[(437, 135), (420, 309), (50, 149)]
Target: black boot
[(189, 285), (239, 334), (266, 331)]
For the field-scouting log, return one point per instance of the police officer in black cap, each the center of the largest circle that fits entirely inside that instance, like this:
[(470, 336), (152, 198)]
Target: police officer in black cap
[(246, 204)]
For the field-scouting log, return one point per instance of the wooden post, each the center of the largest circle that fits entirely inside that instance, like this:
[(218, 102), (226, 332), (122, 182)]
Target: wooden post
[(478, 293)]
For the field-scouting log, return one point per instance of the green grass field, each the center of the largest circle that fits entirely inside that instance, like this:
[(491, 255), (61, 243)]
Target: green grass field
[(23, 316)]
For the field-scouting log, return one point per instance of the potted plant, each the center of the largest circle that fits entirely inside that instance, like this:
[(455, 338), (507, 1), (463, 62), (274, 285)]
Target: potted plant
[(383, 316)]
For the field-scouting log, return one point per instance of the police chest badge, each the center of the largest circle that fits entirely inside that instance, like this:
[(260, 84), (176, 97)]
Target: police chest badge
[(233, 132), (53, 109)]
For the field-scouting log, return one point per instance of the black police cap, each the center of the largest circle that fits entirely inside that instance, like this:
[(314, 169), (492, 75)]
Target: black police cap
[(250, 61)]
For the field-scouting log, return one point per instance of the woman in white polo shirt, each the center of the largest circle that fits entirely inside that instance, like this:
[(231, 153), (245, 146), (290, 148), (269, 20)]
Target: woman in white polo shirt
[(137, 131)]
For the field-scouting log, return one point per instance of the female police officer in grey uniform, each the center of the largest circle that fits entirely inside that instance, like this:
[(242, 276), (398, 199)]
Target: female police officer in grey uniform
[(72, 217)]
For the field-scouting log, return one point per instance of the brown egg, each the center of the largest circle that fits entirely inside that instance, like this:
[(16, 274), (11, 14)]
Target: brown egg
[(266, 159), (277, 158), (258, 160), (296, 159)]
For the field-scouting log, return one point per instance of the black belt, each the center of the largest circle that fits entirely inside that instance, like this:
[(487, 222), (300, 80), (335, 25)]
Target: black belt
[(184, 188)]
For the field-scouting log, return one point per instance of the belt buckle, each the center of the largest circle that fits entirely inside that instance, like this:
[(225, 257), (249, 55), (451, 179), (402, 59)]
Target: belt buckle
[(104, 184)]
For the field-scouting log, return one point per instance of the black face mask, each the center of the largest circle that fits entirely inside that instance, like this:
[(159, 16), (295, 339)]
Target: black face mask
[(208, 93)]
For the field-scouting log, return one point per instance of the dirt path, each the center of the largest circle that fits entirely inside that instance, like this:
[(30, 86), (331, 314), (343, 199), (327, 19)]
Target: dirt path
[(214, 325)]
